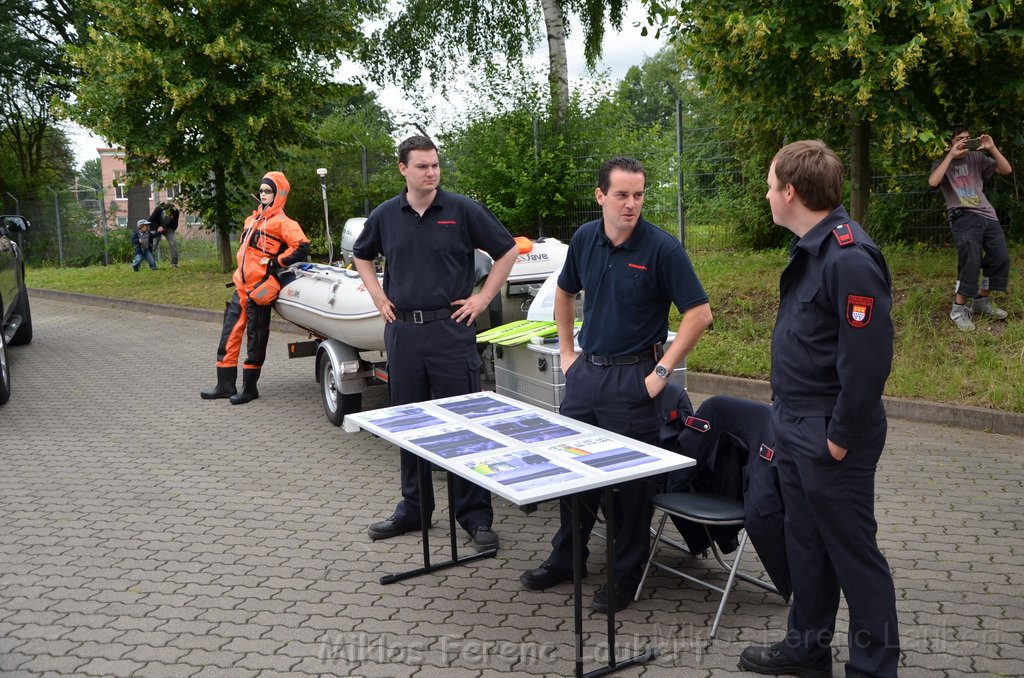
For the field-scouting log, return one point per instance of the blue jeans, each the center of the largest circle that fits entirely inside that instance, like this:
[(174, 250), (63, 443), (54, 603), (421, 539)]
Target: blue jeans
[(148, 256)]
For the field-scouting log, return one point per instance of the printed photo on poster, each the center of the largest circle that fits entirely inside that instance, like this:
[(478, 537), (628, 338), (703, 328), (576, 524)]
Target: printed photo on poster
[(602, 453), (522, 470), (455, 441), (479, 406), (403, 418), (531, 428)]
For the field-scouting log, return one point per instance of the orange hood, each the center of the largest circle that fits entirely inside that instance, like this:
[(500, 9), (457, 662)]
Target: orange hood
[(280, 182)]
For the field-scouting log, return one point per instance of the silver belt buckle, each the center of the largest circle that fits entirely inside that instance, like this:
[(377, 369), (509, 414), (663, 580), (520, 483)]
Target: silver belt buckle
[(417, 317)]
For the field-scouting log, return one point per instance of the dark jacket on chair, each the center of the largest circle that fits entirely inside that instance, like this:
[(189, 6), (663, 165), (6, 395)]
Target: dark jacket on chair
[(732, 443)]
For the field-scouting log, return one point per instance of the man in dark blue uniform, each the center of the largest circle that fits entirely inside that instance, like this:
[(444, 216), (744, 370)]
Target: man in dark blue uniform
[(831, 354), (632, 272), (428, 237)]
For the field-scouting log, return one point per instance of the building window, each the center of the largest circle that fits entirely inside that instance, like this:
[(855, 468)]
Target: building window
[(173, 191), (122, 222), (119, 188)]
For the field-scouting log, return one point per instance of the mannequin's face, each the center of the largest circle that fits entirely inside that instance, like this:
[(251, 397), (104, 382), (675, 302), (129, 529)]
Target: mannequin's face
[(266, 194)]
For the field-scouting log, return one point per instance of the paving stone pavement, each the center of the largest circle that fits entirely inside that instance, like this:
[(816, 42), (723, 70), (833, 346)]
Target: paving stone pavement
[(146, 532)]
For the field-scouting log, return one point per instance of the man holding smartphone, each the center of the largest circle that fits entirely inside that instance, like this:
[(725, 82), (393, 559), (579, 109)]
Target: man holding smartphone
[(980, 241)]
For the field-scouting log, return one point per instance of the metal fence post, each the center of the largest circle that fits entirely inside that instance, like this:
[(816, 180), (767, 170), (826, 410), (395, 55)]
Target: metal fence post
[(680, 218), (60, 235), (536, 168), (17, 210), (103, 218), (366, 177)]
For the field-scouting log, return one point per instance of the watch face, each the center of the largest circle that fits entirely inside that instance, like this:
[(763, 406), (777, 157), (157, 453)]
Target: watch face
[(661, 371)]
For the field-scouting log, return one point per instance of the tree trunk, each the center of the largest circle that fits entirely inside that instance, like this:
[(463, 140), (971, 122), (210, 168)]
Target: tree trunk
[(223, 219), (558, 63), (860, 169), (138, 195)]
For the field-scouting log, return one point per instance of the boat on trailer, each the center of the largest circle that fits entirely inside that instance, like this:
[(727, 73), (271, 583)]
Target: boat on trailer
[(333, 305)]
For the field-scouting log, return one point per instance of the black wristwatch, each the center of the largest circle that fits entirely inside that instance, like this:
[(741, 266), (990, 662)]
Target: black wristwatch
[(661, 371)]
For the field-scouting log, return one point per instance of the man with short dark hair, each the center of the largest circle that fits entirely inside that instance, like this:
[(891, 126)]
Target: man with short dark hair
[(831, 353), (980, 241), (428, 237), (632, 272)]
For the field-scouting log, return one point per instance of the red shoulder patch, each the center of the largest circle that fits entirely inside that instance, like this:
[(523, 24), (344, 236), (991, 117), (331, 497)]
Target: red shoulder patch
[(858, 310), (702, 425), (843, 234)]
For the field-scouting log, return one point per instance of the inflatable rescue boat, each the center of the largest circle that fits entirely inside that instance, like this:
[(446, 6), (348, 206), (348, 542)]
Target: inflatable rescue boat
[(331, 302)]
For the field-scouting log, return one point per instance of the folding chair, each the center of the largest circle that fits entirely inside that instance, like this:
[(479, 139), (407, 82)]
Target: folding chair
[(705, 509)]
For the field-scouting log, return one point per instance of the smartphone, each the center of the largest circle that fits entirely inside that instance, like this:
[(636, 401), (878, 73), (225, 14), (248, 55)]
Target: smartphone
[(973, 144)]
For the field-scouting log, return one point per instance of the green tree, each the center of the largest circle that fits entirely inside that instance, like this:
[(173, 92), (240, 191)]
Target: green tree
[(649, 90), (349, 128), (854, 70), (442, 38), (36, 150), (207, 93), (91, 173), (537, 172)]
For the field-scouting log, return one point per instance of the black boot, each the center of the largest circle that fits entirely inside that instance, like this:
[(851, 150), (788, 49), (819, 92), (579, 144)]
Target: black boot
[(248, 392), (225, 387)]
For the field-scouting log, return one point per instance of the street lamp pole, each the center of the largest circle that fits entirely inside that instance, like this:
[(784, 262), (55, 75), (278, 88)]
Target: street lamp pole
[(322, 173)]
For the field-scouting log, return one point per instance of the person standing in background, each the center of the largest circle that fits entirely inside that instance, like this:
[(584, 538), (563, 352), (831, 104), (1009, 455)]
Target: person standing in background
[(980, 241), (143, 244), (164, 221)]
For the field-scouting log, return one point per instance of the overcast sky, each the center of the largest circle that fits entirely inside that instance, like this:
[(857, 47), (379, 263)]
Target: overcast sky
[(620, 51)]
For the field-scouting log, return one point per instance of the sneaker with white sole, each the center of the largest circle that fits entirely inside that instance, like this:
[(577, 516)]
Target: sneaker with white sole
[(985, 307), (961, 316)]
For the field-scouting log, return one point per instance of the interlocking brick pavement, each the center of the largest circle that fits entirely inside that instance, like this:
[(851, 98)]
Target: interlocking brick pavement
[(146, 532)]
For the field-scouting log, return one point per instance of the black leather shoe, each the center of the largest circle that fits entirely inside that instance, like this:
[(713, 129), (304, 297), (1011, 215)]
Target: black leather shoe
[(484, 538), (621, 598), (546, 576), (773, 661), (391, 527)]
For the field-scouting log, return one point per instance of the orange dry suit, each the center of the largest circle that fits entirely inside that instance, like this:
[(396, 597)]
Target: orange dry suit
[(270, 241)]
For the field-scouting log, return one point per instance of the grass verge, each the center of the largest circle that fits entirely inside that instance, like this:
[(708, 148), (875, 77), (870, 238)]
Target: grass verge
[(933, 359)]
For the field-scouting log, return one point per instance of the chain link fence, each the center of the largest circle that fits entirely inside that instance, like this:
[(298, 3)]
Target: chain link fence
[(73, 227), (696, 189)]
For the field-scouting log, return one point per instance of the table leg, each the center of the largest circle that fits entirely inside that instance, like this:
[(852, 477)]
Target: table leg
[(425, 526)]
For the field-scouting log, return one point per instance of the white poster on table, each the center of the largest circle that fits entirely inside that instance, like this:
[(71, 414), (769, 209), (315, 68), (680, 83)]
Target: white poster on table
[(514, 449)]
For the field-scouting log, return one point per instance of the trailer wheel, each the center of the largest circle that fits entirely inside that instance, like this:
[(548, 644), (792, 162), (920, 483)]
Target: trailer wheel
[(336, 403)]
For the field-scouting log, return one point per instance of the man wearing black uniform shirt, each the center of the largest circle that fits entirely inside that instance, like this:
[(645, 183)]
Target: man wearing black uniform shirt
[(428, 237), (831, 354), (632, 272)]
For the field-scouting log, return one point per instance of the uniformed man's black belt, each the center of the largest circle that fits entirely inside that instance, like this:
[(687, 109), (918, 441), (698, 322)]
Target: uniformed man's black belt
[(420, 317), (652, 354)]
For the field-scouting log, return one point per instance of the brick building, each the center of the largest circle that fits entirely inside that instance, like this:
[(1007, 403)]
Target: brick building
[(112, 167)]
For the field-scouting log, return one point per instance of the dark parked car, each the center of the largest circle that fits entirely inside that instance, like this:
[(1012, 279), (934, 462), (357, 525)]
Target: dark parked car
[(16, 327)]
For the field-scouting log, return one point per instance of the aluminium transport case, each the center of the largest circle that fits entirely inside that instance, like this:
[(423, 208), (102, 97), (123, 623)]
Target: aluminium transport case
[(533, 373)]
